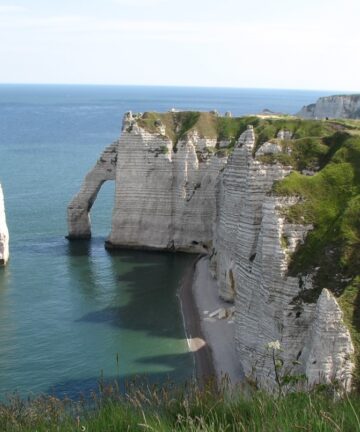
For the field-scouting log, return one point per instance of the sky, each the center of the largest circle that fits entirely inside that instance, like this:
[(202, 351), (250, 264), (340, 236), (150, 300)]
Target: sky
[(302, 44)]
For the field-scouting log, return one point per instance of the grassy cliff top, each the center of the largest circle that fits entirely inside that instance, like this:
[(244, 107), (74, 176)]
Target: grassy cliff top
[(212, 126)]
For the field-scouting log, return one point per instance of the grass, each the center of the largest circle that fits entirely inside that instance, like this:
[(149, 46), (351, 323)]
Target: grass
[(331, 203), (186, 408), (212, 126), (207, 125), (176, 124)]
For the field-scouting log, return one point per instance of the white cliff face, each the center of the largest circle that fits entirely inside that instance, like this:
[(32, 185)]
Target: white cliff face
[(165, 197), (345, 106), (253, 243), (187, 197), (4, 233), (242, 189), (80, 206)]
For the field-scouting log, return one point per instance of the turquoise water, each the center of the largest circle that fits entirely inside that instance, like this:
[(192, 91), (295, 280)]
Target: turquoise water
[(67, 310)]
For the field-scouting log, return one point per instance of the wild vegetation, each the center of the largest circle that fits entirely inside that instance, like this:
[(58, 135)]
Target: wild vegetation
[(185, 409), (330, 201)]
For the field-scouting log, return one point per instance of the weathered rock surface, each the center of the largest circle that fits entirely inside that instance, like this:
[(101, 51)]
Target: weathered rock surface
[(4, 233), (164, 194), (252, 245), (80, 206), (164, 199), (242, 188), (185, 194), (329, 350), (338, 106)]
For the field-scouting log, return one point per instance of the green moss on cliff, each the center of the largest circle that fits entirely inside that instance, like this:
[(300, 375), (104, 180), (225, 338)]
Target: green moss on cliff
[(330, 201), (206, 124)]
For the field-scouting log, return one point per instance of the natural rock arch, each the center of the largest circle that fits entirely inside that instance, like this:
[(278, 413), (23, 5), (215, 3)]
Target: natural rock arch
[(78, 211)]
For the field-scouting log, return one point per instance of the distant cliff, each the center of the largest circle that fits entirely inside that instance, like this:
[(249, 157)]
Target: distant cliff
[(4, 233), (273, 202), (339, 106)]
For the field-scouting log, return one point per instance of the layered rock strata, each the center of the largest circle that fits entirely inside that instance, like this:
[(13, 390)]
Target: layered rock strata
[(4, 233), (252, 245), (179, 191), (241, 191), (164, 193), (164, 199), (338, 106), (79, 224), (328, 349)]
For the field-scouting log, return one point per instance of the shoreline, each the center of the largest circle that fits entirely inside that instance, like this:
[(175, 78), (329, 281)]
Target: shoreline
[(210, 339), (203, 356)]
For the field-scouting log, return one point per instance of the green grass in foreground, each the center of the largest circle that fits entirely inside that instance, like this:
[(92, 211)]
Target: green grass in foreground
[(184, 409)]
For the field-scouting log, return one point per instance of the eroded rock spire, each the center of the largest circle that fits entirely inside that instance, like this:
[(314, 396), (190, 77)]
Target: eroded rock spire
[(4, 233)]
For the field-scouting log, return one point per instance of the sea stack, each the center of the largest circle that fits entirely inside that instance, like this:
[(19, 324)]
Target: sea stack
[(4, 233)]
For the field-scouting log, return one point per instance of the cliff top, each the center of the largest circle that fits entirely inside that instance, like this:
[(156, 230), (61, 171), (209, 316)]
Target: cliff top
[(355, 97), (178, 124), (226, 128)]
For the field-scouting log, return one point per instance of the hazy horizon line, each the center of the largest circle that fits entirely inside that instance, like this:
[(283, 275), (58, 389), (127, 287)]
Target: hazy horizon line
[(175, 86)]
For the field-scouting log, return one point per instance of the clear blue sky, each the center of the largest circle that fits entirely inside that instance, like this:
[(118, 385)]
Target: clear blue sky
[(312, 44)]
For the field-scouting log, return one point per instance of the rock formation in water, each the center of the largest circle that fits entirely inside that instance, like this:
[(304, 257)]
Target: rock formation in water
[(4, 233), (165, 187), (80, 206), (338, 106), (177, 188)]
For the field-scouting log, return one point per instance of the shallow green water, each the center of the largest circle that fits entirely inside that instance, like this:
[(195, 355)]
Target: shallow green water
[(69, 310)]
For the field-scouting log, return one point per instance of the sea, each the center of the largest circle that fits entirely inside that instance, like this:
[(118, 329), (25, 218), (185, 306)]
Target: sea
[(73, 315)]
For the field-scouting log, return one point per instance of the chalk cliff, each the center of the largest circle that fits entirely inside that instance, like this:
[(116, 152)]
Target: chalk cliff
[(338, 106), (165, 195), (4, 233), (242, 189), (165, 187), (253, 242), (79, 208), (203, 183)]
